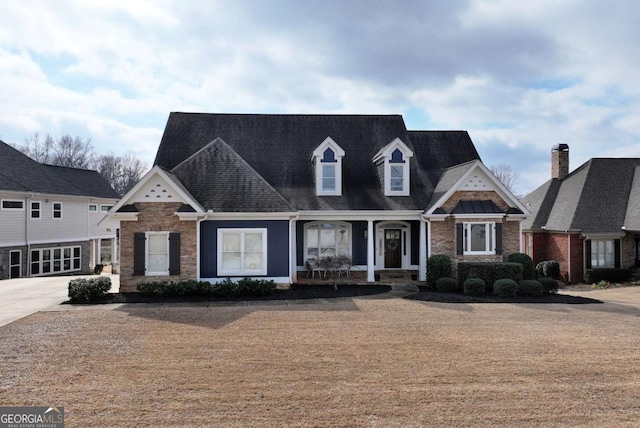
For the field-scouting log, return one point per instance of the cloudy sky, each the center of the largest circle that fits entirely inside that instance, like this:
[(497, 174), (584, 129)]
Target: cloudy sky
[(519, 76)]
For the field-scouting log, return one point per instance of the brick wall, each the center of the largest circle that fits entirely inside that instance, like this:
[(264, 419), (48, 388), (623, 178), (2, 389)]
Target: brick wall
[(561, 247), (628, 251), (157, 217)]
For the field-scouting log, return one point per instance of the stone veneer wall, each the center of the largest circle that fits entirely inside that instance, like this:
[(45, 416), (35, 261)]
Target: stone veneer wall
[(157, 217), (443, 233)]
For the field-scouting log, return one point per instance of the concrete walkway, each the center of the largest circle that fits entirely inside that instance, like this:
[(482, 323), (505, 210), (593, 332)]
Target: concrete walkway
[(23, 296)]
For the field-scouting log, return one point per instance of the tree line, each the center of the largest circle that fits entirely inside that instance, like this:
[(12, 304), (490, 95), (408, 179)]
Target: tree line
[(122, 172)]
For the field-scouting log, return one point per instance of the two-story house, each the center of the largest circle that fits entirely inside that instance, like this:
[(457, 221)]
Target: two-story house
[(52, 219), (242, 195)]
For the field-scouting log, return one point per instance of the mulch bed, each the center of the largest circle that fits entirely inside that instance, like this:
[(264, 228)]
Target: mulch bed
[(295, 292), (435, 296)]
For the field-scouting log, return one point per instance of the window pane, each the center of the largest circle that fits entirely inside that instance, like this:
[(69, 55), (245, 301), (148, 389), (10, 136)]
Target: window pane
[(343, 241), (56, 254), (231, 262), (328, 170), (46, 254), (396, 171), (397, 178), (478, 237), (76, 252), (35, 268), (157, 244), (328, 184), (35, 255), (327, 238), (67, 265), (46, 267), (76, 264), (253, 242), (157, 263), (231, 242), (328, 177), (253, 261), (67, 253)]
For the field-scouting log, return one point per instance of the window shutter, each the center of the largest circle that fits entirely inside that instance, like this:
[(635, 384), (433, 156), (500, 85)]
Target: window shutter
[(174, 254), (616, 253), (498, 238), (139, 253), (459, 239), (587, 250)]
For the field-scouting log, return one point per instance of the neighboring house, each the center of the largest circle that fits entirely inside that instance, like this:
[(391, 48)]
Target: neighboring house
[(49, 218), (588, 219), (260, 195)]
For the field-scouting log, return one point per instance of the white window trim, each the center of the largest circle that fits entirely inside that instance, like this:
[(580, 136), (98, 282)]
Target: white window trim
[(318, 155), (466, 227), (384, 155), (94, 206), (12, 200), (53, 211), (51, 260), (149, 272), (242, 271), (104, 208), (345, 225), (31, 210)]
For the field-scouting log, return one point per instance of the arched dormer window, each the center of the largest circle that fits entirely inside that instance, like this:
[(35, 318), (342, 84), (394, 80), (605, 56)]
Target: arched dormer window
[(327, 162), (393, 166)]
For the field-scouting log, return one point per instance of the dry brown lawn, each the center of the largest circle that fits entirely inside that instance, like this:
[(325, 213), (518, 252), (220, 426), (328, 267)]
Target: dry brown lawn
[(361, 362)]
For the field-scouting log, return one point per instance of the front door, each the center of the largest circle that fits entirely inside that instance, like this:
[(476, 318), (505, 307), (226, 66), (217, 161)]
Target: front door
[(15, 264), (392, 248)]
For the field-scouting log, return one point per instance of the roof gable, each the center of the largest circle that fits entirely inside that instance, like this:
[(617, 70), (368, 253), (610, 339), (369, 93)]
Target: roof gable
[(222, 181)]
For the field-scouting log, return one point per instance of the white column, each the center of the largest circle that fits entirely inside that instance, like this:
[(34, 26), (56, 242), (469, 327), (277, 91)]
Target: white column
[(370, 261), (293, 268), (98, 253), (422, 251)]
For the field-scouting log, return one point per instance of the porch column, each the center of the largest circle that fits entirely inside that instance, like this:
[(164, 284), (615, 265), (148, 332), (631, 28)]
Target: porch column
[(370, 262), (422, 252), (98, 254), (293, 264)]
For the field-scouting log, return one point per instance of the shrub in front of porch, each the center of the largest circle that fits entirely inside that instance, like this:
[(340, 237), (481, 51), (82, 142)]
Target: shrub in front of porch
[(505, 288), (83, 290), (474, 286), (225, 288), (528, 268), (489, 272), (446, 285), (550, 285), (438, 266), (593, 276), (530, 287)]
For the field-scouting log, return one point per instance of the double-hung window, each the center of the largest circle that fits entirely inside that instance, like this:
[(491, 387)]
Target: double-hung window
[(242, 252), (327, 162), (35, 210), (157, 253), (479, 238), (393, 166), (57, 210)]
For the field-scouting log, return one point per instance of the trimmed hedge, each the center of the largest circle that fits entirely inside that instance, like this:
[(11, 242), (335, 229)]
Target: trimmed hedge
[(474, 286), (447, 285), (593, 276), (530, 287), (505, 288), (489, 272), (528, 268), (550, 285), (84, 290), (438, 266), (225, 288)]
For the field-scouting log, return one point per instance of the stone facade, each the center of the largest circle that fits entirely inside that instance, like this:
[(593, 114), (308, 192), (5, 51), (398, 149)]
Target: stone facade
[(157, 217)]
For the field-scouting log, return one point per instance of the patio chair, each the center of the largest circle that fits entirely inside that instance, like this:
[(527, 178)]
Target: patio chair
[(312, 268)]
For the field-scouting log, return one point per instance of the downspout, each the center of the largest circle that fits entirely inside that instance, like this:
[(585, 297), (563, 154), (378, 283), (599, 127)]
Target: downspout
[(293, 263), (27, 213), (569, 258)]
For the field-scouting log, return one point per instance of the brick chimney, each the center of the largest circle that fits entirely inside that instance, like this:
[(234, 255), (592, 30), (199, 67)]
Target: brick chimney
[(560, 161)]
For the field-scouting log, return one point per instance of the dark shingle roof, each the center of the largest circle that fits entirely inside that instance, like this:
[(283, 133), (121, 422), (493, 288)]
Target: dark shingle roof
[(593, 199), (477, 207), (279, 148), (20, 173)]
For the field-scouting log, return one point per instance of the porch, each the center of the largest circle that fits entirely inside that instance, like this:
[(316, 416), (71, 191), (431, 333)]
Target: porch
[(383, 277)]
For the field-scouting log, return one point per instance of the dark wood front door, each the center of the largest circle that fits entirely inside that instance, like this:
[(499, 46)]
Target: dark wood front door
[(392, 248)]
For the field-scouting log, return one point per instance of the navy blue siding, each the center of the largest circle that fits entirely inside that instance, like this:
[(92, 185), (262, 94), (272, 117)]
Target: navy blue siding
[(277, 244)]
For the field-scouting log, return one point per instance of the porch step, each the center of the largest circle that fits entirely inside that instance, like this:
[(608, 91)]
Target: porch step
[(395, 275)]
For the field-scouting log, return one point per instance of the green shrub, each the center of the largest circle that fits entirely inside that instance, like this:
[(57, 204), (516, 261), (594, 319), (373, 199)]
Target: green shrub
[(593, 276), (243, 287), (438, 266), (83, 290), (225, 288), (530, 287), (550, 285), (528, 268), (149, 288), (474, 286), (447, 285), (489, 272), (548, 269), (505, 288)]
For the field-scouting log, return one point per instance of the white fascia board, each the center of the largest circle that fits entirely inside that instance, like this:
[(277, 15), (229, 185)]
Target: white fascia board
[(156, 170), (210, 215), (599, 235), (361, 215), (189, 216), (122, 217)]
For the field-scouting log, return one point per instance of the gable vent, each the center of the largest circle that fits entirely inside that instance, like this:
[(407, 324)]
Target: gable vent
[(476, 182)]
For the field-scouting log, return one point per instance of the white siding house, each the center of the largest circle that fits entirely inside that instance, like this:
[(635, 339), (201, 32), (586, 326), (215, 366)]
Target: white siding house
[(51, 218)]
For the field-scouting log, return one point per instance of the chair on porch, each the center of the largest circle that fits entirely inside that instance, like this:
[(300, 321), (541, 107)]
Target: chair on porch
[(312, 268), (346, 269)]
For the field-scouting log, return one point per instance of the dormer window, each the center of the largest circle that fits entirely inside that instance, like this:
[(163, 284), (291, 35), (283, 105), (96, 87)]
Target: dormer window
[(393, 166), (327, 162)]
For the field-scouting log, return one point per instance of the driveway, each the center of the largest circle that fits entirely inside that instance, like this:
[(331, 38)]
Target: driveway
[(24, 296)]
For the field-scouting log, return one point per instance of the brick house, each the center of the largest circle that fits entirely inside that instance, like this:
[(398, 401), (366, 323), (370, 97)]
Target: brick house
[(586, 219), (233, 196)]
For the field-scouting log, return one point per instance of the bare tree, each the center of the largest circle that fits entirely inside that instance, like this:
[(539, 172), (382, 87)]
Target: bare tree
[(121, 172), (37, 149), (506, 175), (73, 152)]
